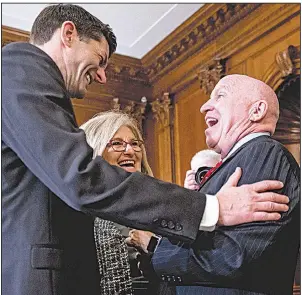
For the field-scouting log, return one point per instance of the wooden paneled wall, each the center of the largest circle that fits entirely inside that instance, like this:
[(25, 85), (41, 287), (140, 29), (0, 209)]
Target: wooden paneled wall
[(178, 74), (239, 38), (218, 39), (222, 39)]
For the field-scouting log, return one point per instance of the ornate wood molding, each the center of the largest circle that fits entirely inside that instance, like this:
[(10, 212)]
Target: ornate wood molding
[(210, 75), (288, 126), (276, 16), (161, 109), (284, 77), (126, 73), (286, 63), (164, 141), (134, 109), (284, 60), (12, 35), (254, 25), (120, 68), (201, 34)]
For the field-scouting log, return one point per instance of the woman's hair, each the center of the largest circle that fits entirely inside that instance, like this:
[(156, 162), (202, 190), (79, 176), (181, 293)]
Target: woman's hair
[(101, 128)]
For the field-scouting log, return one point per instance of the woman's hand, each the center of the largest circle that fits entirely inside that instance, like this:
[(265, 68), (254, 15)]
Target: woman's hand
[(139, 239)]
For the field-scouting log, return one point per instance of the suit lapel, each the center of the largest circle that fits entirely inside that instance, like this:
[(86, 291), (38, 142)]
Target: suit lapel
[(229, 158)]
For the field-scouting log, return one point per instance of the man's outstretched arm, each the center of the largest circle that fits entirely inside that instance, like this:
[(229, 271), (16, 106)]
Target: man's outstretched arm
[(258, 204)]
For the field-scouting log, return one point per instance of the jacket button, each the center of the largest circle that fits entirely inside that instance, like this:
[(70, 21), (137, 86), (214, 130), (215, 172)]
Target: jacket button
[(178, 227), (163, 278), (156, 221), (164, 223), (171, 225), (179, 279)]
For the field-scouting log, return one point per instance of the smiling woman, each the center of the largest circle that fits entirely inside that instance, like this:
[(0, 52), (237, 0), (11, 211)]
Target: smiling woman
[(105, 127), (116, 137), (124, 150)]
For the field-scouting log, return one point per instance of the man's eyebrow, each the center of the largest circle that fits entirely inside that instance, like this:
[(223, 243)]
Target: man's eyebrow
[(223, 88), (217, 91), (104, 60)]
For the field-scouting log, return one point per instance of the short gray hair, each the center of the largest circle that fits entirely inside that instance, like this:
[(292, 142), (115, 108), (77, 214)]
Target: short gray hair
[(205, 158)]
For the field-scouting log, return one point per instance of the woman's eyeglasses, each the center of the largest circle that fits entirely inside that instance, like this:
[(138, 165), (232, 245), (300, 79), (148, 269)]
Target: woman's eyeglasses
[(120, 145)]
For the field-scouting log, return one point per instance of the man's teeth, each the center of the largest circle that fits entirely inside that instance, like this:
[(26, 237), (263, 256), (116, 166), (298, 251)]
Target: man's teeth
[(88, 78), (211, 122)]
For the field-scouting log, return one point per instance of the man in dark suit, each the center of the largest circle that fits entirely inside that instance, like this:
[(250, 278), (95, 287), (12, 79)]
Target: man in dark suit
[(254, 258), (51, 187)]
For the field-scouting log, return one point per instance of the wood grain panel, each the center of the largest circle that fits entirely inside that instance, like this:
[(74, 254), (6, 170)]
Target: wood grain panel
[(163, 148), (189, 132), (250, 47), (248, 36)]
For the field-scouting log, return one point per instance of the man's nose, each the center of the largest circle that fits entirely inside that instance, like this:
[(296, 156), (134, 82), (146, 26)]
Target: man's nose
[(205, 107), (101, 76)]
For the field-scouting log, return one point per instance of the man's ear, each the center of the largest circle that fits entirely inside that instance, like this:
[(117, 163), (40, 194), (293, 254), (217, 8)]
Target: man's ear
[(68, 33), (258, 111)]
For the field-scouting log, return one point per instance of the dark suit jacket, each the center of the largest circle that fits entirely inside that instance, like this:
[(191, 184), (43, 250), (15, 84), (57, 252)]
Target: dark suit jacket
[(253, 258), (51, 187)]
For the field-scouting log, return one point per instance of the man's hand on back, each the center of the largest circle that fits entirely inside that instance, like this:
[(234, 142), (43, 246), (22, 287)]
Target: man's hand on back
[(250, 202)]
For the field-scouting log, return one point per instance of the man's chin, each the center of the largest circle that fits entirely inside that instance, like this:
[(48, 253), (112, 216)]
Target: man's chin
[(210, 142)]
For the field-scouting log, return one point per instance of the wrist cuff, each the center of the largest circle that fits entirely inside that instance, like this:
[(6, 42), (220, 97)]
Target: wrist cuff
[(153, 243)]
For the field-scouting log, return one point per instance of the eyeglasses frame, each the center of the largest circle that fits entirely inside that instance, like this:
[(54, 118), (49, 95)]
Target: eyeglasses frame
[(125, 143)]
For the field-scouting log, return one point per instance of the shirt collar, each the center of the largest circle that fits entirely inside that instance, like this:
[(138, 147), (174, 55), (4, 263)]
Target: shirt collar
[(243, 140)]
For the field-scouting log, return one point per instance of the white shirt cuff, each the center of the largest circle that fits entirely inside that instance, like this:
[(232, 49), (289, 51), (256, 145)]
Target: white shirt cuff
[(210, 214)]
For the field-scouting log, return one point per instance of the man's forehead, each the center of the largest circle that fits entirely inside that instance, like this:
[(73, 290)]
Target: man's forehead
[(222, 85), (230, 83), (227, 84)]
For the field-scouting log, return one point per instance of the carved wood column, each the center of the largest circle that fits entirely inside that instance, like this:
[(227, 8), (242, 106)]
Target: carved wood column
[(287, 88), (132, 108), (162, 112), (210, 75)]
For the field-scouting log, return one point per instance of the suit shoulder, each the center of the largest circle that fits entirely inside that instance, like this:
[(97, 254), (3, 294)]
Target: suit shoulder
[(264, 140), (265, 144), (25, 62), (268, 152), (268, 143), (17, 46)]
